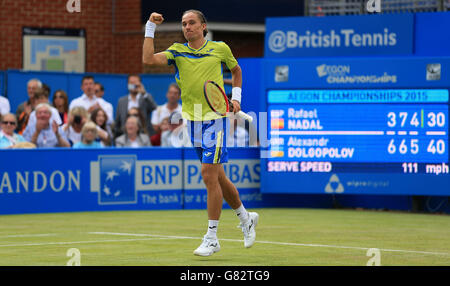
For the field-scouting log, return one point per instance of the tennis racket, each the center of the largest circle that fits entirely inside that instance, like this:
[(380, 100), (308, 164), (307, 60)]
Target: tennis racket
[(219, 102)]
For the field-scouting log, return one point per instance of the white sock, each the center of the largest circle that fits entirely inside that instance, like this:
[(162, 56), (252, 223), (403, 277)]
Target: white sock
[(212, 228), (242, 213)]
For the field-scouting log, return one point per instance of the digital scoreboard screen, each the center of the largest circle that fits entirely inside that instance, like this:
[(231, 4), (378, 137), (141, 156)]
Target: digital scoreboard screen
[(359, 131)]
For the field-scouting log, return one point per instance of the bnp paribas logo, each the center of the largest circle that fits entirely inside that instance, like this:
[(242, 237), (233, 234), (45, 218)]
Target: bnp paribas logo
[(114, 178), (118, 179)]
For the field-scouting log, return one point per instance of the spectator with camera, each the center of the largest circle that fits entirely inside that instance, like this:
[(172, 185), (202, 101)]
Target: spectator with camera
[(78, 116), (137, 97)]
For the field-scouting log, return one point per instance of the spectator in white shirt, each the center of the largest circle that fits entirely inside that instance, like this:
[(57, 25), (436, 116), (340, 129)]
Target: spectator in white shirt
[(238, 133), (45, 133), (41, 96), (78, 116), (107, 107), (88, 100), (163, 111), (176, 133), (5, 108)]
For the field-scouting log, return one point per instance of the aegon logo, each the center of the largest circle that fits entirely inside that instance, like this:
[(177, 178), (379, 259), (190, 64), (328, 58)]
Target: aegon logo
[(324, 70)]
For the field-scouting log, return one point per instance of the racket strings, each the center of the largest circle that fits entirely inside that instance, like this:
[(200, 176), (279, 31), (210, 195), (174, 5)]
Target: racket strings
[(216, 99)]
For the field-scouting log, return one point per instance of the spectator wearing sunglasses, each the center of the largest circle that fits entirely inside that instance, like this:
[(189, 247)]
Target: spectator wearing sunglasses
[(8, 138)]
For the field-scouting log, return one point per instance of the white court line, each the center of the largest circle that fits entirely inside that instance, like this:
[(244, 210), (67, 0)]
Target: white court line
[(79, 242), (27, 235), (274, 242)]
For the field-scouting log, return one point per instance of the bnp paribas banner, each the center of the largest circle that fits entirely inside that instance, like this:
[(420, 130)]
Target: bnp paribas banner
[(359, 35), (67, 180)]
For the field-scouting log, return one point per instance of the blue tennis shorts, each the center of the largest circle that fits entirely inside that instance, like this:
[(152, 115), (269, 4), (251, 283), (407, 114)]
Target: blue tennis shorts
[(209, 140)]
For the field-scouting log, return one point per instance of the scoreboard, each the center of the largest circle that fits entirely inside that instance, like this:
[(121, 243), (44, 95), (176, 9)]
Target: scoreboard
[(348, 111), (401, 134)]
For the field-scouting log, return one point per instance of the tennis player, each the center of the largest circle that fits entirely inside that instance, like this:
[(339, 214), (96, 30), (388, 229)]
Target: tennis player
[(195, 62)]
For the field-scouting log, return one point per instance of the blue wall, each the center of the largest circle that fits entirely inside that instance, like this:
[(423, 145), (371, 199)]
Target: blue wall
[(432, 34), (115, 85), (2, 83)]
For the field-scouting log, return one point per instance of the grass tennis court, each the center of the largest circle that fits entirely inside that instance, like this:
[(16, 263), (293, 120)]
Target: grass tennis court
[(297, 237)]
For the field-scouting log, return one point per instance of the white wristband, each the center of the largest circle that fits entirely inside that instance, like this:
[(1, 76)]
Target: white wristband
[(150, 29), (236, 93)]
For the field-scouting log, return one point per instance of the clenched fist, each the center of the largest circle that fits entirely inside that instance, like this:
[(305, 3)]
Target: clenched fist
[(156, 18)]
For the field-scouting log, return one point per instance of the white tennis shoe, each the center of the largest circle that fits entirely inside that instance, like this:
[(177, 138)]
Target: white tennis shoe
[(208, 247), (249, 229)]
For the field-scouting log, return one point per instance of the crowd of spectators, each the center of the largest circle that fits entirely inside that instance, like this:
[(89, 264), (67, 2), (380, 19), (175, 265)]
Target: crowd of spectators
[(88, 121)]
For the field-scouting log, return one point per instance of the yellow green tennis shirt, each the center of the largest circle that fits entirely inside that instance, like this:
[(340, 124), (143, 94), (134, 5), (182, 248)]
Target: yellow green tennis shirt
[(193, 68)]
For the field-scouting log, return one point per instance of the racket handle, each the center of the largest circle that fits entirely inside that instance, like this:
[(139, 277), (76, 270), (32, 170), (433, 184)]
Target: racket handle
[(245, 116)]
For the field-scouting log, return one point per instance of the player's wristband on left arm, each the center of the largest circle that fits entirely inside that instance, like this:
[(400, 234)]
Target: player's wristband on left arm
[(236, 94), (150, 29)]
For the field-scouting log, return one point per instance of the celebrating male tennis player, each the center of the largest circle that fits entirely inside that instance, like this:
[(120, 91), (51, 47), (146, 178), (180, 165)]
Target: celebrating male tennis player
[(195, 62)]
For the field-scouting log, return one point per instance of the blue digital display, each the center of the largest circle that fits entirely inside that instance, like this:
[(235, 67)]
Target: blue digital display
[(372, 128), (359, 96)]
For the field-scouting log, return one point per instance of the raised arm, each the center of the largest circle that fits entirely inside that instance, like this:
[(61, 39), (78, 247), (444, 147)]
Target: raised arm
[(148, 54)]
